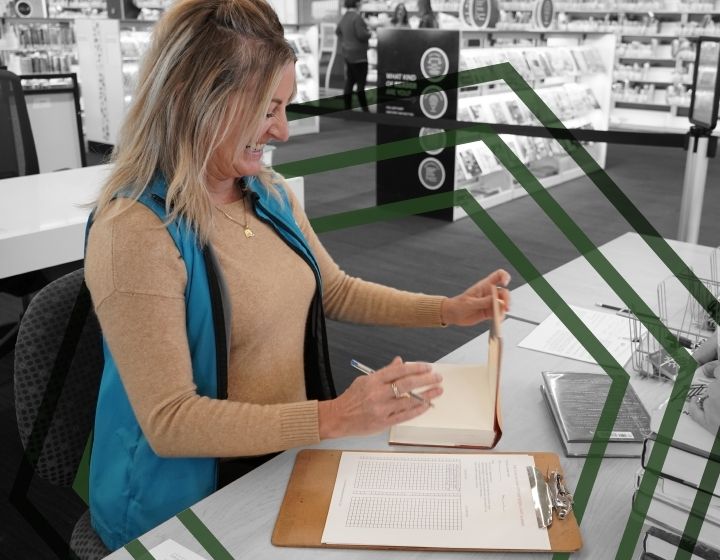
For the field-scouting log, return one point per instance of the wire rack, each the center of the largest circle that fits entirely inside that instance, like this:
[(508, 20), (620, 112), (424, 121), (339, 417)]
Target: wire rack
[(682, 316)]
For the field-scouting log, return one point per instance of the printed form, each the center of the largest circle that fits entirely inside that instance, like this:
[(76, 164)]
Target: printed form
[(552, 337), (434, 500)]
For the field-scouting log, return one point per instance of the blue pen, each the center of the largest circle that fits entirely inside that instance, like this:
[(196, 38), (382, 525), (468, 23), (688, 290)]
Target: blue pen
[(368, 371)]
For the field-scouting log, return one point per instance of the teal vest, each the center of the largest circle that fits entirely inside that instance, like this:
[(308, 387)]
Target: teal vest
[(131, 488)]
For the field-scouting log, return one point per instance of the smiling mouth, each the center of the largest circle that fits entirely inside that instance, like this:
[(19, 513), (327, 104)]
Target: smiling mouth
[(255, 147)]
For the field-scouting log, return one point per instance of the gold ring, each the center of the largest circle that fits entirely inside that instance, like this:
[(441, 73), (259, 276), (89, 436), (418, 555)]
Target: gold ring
[(395, 390)]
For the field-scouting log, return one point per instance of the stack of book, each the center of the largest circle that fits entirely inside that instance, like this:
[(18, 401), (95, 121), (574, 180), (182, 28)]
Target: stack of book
[(679, 485), (576, 401)]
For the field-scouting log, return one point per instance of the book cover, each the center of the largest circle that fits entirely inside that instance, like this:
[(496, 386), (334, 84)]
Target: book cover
[(580, 61), (576, 400), (467, 413), (470, 164), (538, 67), (688, 451), (665, 544)]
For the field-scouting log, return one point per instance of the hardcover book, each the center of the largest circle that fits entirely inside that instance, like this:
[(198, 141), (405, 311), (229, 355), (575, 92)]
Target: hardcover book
[(467, 414), (688, 452), (665, 544), (576, 400)]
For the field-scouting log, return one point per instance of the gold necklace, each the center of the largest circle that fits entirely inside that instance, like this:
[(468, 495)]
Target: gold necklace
[(246, 226)]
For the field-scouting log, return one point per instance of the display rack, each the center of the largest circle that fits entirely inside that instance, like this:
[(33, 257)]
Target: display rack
[(37, 45), (683, 317), (572, 73), (109, 68), (305, 42), (656, 52)]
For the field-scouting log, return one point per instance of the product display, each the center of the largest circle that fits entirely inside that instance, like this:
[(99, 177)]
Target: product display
[(568, 79), (656, 52), (570, 73), (37, 48), (305, 44)]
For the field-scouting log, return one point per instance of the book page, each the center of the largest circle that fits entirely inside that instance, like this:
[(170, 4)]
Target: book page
[(434, 500), (551, 336), (467, 400)]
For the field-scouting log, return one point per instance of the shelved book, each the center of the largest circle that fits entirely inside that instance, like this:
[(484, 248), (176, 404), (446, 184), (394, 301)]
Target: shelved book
[(688, 452), (467, 414), (576, 400), (665, 544)]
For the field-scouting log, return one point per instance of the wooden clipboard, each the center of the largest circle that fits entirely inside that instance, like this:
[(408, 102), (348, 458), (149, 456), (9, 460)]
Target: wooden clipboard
[(302, 515)]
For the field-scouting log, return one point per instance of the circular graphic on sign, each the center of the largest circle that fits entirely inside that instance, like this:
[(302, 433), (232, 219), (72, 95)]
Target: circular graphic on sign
[(433, 102), (434, 64), (545, 10), (434, 145), (431, 173), (480, 14)]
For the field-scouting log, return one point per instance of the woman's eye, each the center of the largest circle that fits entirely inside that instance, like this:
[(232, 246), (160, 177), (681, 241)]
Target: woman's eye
[(270, 115)]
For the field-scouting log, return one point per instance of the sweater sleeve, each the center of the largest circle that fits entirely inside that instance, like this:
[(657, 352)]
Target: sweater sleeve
[(137, 279), (352, 299)]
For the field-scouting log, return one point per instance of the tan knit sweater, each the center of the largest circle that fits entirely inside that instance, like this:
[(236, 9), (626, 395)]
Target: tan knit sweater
[(137, 281)]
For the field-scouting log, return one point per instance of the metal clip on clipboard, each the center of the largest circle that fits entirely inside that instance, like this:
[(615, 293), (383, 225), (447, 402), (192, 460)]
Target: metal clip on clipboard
[(549, 494)]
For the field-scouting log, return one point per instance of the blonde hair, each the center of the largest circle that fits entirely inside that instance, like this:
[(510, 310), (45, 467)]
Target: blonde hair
[(211, 63)]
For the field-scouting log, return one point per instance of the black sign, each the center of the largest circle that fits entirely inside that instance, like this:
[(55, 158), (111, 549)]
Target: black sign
[(706, 89), (404, 57)]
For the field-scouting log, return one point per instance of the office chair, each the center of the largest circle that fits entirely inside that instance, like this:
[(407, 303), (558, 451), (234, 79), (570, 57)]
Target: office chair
[(58, 365), (18, 157)]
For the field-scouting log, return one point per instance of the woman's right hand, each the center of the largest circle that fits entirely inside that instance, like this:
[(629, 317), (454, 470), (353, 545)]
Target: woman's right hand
[(369, 405)]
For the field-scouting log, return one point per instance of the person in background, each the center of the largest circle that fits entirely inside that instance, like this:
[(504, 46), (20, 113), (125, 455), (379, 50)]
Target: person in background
[(353, 36), (427, 16), (211, 286), (400, 17), (705, 408)]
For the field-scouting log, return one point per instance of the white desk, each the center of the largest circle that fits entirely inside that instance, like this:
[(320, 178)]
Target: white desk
[(42, 220), (42, 217), (243, 514)]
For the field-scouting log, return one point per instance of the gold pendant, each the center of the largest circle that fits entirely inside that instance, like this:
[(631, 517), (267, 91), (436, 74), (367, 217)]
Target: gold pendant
[(249, 233)]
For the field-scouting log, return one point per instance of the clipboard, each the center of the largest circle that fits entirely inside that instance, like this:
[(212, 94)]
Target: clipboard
[(301, 520)]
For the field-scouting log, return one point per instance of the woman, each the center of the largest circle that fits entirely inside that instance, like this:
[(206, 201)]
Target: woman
[(400, 16), (353, 36), (210, 285), (427, 16)]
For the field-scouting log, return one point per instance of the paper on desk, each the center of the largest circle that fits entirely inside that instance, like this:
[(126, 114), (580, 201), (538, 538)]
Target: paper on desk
[(434, 500), (170, 550), (551, 336)]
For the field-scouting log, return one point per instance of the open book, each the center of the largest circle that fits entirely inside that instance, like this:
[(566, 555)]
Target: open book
[(467, 414)]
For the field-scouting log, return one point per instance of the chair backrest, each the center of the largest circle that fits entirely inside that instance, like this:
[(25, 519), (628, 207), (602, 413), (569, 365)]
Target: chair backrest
[(58, 365), (18, 156)]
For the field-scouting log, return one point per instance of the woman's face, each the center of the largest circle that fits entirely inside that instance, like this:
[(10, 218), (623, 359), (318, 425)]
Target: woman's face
[(241, 161), (401, 12)]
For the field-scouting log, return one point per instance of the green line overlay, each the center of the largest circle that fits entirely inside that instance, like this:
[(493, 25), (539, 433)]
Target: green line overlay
[(203, 535), (138, 551)]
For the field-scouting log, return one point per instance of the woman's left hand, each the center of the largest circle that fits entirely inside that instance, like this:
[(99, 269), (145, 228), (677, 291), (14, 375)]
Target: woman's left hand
[(706, 410), (475, 303)]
